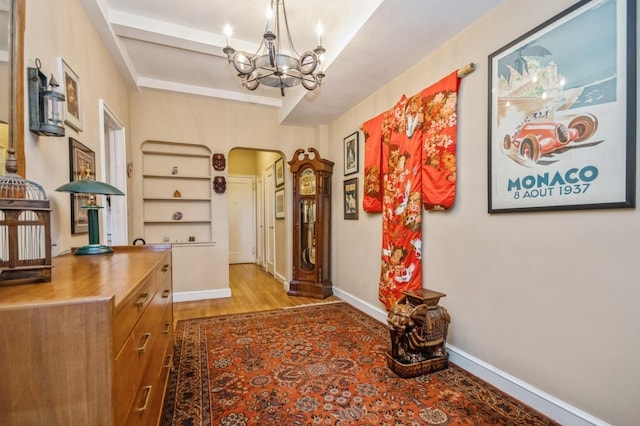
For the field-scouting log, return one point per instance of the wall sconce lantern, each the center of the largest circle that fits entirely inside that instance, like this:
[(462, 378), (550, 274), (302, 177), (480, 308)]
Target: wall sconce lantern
[(44, 103)]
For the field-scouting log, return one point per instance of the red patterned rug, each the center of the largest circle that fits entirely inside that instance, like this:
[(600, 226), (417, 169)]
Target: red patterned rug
[(322, 364)]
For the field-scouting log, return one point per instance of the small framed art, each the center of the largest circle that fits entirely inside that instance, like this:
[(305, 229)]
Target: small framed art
[(82, 163), (279, 172), (279, 203), (351, 154), (351, 199), (70, 83)]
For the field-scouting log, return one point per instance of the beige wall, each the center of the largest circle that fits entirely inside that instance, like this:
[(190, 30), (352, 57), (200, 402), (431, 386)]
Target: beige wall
[(75, 40), (222, 126), (549, 298)]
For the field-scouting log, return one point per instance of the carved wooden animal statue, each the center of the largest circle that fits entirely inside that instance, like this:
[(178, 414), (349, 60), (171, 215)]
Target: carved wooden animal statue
[(418, 332)]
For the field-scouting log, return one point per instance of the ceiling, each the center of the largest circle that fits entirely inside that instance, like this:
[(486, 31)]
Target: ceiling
[(159, 45)]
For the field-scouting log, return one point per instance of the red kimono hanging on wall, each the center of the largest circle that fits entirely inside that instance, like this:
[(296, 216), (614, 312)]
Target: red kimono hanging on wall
[(417, 140)]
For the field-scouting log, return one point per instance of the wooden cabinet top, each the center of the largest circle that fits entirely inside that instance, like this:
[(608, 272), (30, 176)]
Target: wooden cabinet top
[(89, 277)]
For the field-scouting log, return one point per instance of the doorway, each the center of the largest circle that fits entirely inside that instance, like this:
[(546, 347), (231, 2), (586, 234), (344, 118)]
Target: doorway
[(269, 234), (242, 219), (113, 151)]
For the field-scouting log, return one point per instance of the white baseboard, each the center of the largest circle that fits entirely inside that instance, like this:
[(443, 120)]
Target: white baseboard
[(189, 296), (535, 398)]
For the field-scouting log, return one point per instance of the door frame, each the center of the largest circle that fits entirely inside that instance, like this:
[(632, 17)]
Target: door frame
[(260, 258), (270, 219), (113, 154)]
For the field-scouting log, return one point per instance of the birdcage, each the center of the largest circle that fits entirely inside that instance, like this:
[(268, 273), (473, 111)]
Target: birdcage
[(25, 231)]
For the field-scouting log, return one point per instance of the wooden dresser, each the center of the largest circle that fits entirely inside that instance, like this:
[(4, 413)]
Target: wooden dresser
[(92, 347)]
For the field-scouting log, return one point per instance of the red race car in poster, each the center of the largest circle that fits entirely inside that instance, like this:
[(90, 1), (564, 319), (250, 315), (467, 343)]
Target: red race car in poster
[(535, 139)]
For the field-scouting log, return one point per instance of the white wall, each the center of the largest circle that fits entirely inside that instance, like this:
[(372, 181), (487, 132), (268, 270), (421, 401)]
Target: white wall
[(549, 298)]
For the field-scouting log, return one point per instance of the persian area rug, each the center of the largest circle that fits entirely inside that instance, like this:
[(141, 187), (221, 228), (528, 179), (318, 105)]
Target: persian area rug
[(322, 364)]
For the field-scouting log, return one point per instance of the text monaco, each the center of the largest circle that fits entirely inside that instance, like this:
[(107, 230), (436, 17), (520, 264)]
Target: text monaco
[(572, 181)]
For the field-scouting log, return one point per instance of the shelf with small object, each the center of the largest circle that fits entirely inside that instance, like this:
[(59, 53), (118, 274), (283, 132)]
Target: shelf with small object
[(176, 187), (418, 328)]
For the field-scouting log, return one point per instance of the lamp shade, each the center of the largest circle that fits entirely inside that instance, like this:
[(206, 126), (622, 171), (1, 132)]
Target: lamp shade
[(89, 187)]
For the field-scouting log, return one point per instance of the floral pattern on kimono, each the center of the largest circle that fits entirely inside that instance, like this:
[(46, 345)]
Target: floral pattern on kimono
[(401, 269), (412, 158)]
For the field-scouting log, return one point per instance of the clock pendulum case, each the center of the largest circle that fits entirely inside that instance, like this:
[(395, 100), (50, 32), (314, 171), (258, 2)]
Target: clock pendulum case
[(311, 225)]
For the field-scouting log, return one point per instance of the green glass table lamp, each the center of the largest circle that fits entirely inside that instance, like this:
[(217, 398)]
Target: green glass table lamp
[(92, 188)]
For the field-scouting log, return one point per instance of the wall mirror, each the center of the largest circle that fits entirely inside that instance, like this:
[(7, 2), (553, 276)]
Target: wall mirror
[(12, 15)]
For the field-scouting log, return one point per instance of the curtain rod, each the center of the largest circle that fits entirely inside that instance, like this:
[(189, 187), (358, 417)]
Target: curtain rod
[(466, 70)]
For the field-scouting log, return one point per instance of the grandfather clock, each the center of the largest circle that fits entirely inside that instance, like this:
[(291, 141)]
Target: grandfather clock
[(312, 225)]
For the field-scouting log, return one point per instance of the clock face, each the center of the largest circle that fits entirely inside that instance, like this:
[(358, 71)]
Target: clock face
[(307, 182)]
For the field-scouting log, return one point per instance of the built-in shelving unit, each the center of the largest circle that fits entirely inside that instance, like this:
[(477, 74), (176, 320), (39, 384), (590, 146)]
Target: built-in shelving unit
[(176, 185)]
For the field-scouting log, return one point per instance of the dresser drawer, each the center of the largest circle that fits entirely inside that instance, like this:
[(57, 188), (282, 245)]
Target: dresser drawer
[(133, 308), (147, 403), (136, 357)]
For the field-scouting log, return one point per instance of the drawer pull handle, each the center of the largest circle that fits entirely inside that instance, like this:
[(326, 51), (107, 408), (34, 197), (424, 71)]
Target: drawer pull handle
[(167, 327), (168, 364), (166, 293), (145, 402), (147, 339), (142, 300), (165, 267)]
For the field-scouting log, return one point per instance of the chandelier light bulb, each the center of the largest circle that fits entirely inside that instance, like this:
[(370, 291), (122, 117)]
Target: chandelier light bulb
[(269, 13), (227, 33), (319, 31)]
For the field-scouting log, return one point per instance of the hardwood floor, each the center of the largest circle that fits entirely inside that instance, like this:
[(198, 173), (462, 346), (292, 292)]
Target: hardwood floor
[(252, 290)]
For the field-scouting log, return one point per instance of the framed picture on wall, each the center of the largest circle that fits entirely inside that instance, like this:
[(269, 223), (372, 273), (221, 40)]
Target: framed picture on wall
[(70, 84), (279, 171), (351, 154), (351, 198), (279, 203), (562, 113), (82, 163)]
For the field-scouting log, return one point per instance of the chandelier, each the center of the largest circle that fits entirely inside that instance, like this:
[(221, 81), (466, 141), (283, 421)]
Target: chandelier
[(272, 66)]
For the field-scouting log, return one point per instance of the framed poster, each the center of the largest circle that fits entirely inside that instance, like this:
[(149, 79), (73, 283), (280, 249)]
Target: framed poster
[(562, 113), (82, 163), (279, 171), (279, 203), (351, 198), (351, 154), (70, 83)]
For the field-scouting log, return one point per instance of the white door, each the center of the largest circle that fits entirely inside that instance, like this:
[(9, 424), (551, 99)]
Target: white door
[(242, 219), (260, 219), (269, 215), (114, 172)]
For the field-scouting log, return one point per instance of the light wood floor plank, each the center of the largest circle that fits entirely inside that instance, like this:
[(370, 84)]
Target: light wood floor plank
[(252, 290)]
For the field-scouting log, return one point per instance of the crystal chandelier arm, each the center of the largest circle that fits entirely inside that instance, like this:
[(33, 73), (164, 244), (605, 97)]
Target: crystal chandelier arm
[(308, 62), (310, 82), (243, 63), (250, 82)]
